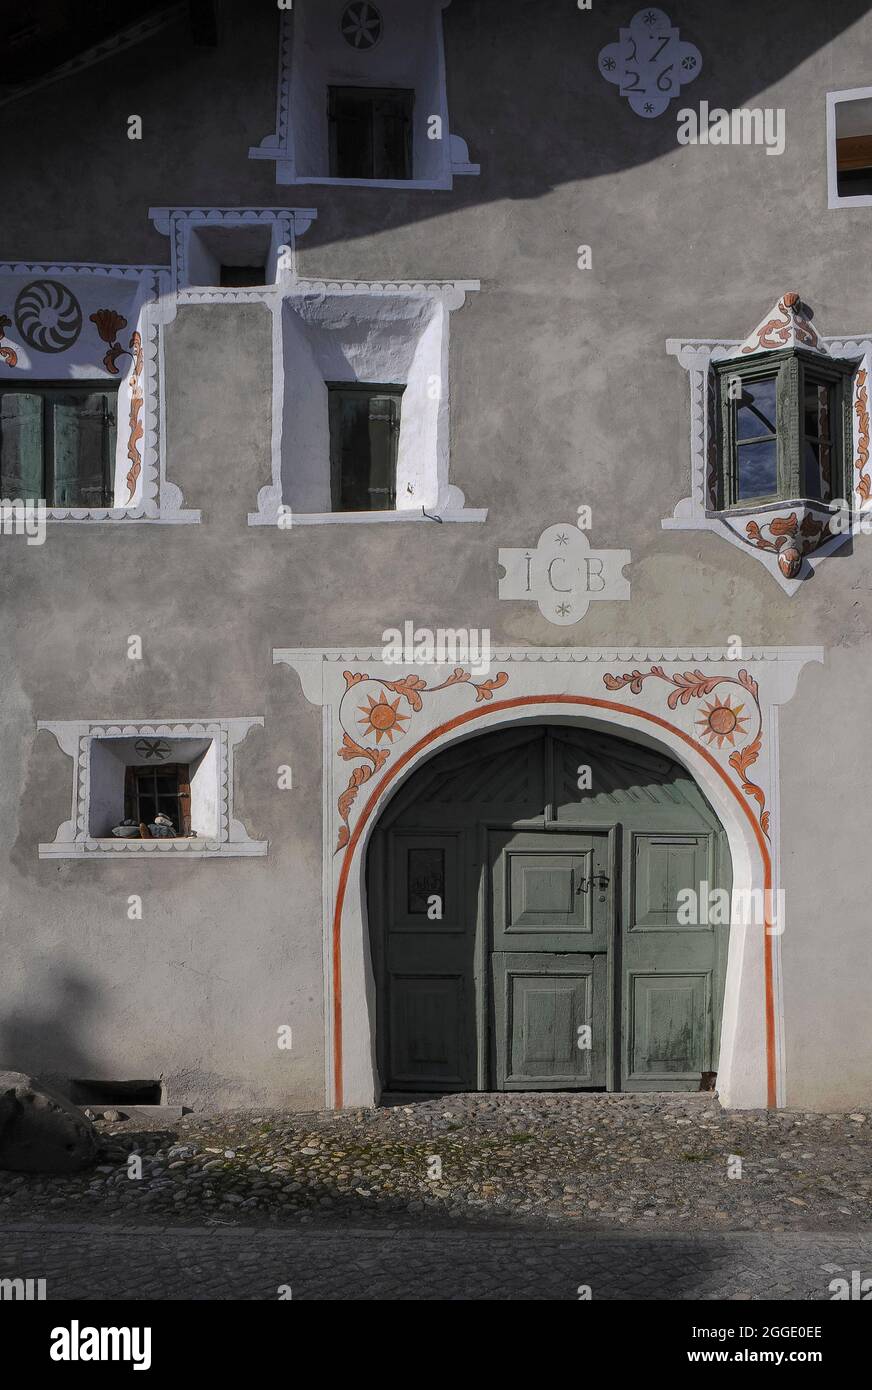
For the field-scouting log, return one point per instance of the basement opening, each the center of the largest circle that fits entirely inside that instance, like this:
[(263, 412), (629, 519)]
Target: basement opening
[(115, 1093)]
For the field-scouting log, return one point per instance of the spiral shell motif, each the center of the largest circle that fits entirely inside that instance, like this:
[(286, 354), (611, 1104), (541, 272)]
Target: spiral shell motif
[(48, 316)]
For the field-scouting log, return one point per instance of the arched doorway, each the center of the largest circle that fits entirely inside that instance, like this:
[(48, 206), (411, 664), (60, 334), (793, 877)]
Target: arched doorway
[(524, 918)]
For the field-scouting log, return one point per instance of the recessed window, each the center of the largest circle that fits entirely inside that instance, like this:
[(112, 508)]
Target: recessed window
[(164, 792), (230, 256), (370, 132), (784, 428), (57, 442), (364, 436), (854, 148)]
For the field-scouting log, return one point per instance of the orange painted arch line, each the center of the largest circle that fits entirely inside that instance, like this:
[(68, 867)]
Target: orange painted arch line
[(519, 702)]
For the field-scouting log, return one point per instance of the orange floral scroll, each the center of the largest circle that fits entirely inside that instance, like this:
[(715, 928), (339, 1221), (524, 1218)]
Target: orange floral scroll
[(383, 718), (720, 721)]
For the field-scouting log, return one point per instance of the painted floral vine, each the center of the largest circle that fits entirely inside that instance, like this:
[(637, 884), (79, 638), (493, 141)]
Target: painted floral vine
[(384, 719), (109, 324), (721, 721)]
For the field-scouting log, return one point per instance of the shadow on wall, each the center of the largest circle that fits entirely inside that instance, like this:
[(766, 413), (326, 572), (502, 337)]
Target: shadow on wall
[(48, 1034)]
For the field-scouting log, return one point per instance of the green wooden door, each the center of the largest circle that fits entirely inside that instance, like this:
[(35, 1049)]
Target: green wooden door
[(514, 905)]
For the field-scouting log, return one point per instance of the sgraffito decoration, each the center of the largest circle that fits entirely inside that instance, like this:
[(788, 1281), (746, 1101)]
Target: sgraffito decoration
[(861, 411), (48, 316), (721, 721), (650, 62), (381, 717), (7, 353), (149, 748), (109, 324), (785, 326), (563, 574), (361, 25), (789, 538)]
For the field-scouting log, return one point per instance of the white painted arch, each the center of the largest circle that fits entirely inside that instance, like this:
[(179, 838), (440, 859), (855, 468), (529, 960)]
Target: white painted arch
[(553, 685)]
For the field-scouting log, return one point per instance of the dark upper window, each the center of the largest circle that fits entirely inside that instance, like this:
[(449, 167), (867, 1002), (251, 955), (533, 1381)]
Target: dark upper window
[(785, 428), (370, 132), (364, 434), (57, 442), (164, 790)]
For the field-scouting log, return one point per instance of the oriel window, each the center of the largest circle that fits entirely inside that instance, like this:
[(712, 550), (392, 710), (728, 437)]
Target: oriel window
[(785, 428), (57, 443), (370, 132), (364, 437)]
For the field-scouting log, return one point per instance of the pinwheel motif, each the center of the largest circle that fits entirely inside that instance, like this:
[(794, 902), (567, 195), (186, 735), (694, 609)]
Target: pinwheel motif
[(48, 316)]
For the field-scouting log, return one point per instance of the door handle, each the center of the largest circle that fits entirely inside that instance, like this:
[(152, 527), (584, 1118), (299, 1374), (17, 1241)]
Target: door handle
[(601, 881)]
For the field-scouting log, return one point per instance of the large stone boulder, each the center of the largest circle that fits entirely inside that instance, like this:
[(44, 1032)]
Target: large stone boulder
[(40, 1130)]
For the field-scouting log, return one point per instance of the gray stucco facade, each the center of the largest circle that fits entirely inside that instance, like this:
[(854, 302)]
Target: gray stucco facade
[(562, 394)]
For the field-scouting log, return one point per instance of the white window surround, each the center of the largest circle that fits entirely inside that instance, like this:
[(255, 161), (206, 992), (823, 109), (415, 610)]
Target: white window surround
[(694, 513), (132, 304), (190, 257), (299, 140), (210, 743), (360, 331), (834, 199)]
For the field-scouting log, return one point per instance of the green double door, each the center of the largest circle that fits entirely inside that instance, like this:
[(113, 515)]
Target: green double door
[(526, 935)]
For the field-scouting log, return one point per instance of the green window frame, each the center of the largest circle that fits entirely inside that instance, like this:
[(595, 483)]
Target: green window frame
[(808, 452), (57, 442), (370, 132), (364, 441)]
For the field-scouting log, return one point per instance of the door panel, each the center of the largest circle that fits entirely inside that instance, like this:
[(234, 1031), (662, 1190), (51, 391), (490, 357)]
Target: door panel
[(670, 1036), (549, 1021), (429, 1019), (427, 1031), (672, 970), (551, 892)]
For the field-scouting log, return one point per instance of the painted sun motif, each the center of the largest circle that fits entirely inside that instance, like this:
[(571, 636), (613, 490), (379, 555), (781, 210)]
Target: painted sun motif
[(382, 718), (722, 721)]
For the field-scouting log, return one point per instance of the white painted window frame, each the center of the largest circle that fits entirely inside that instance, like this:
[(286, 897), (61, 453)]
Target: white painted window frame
[(158, 499), (75, 737), (863, 200), (279, 146)]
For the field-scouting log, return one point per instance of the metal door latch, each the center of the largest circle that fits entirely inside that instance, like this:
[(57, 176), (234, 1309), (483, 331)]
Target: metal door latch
[(601, 881)]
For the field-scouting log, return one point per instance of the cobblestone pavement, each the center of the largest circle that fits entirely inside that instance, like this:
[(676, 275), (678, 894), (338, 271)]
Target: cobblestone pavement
[(568, 1162), (395, 1263)]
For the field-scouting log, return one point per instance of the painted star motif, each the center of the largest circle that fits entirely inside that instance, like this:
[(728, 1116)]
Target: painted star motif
[(608, 64), (650, 17), (562, 539), (563, 609), (648, 106)]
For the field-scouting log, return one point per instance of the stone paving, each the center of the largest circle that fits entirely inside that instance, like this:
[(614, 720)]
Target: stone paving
[(350, 1263), (574, 1162)]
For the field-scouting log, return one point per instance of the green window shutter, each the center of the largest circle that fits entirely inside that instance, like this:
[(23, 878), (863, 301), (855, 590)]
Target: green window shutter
[(21, 446), (364, 439), (370, 132), (83, 437)]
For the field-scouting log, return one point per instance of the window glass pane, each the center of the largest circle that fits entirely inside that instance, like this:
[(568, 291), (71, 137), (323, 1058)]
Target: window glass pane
[(21, 467), (755, 411), (818, 455), (818, 409), (426, 877), (757, 469), (392, 131), (81, 438), (147, 806)]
